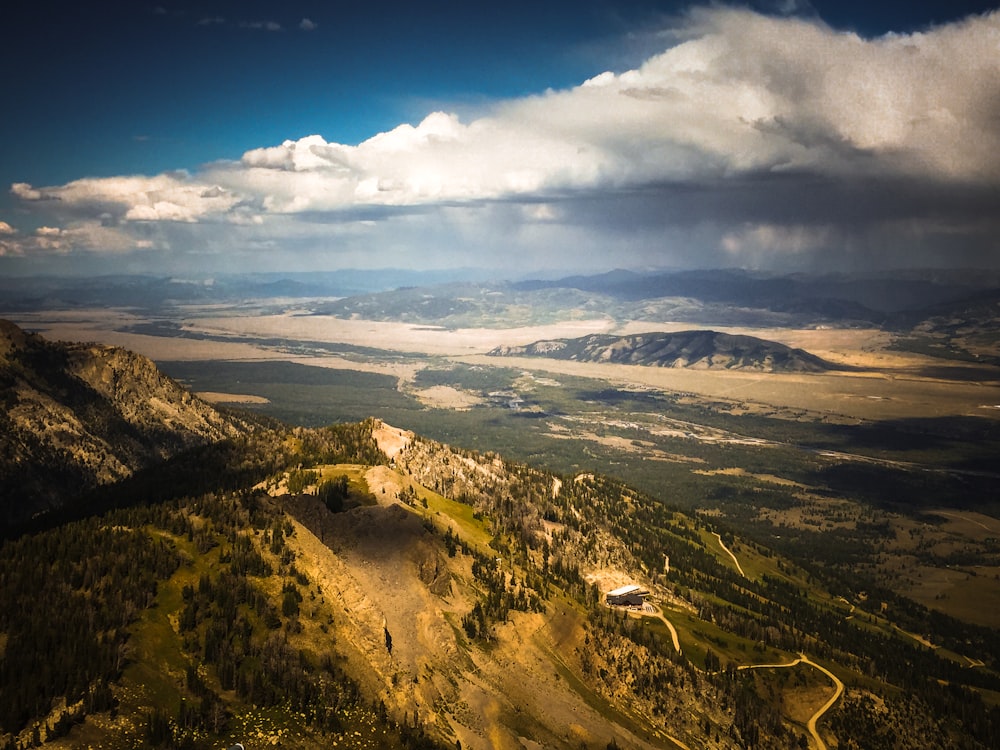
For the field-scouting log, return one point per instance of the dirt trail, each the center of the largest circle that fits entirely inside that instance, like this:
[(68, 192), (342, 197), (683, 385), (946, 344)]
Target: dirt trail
[(838, 691), (730, 553), (648, 610)]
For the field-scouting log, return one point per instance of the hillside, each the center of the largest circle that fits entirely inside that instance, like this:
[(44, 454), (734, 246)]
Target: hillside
[(697, 349), (77, 416), (361, 586)]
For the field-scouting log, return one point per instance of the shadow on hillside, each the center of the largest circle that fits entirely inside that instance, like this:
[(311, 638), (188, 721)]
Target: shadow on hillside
[(925, 434)]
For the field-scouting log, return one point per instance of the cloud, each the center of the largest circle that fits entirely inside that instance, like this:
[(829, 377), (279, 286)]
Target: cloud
[(6, 229), (25, 192), (308, 25), (261, 25), (165, 197), (757, 138)]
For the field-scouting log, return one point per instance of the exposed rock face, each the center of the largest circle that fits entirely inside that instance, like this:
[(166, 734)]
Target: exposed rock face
[(700, 349), (79, 415)]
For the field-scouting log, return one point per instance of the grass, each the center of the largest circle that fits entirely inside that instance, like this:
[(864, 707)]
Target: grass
[(298, 394), (155, 673), (470, 528), (358, 491), (697, 637)]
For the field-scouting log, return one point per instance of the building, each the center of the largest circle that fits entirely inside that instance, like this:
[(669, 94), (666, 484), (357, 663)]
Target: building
[(627, 596)]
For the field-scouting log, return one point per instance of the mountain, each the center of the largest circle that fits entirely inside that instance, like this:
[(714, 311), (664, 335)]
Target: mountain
[(362, 586), (77, 416), (697, 349), (969, 316), (158, 293), (863, 297), (706, 297)]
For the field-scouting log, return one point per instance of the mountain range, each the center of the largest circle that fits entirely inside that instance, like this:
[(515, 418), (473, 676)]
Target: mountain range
[(898, 300)]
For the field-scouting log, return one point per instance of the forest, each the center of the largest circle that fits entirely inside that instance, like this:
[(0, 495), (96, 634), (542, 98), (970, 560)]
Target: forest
[(86, 601)]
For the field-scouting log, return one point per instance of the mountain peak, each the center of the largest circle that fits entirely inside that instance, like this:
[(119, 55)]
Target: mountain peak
[(87, 415)]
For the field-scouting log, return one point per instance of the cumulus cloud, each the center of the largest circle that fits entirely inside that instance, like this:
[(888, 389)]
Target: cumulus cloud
[(166, 197), (307, 24), (25, 192), (6, 228), (783, 134)]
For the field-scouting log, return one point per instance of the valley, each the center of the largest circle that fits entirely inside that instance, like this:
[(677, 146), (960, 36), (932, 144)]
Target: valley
[(845, 517)]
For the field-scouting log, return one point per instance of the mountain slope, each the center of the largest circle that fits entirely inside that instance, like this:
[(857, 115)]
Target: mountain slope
[(698, 349), (368, 588), (76, 416)]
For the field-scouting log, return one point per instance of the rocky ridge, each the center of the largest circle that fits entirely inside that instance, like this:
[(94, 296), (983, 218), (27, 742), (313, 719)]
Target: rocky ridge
[(694, 349), (80, 415)]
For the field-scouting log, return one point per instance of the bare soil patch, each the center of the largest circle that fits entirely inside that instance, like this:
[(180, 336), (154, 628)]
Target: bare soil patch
[(231, 398), (391, 440), (891, 389), (392, 336), (738, 472), (447, 397)]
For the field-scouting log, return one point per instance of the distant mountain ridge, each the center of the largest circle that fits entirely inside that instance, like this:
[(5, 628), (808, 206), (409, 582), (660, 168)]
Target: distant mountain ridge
[(698, 349), (864, 296), (466, 298), (80, 415)]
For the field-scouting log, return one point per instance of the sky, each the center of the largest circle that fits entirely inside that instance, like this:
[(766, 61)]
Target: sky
[(199, 137)]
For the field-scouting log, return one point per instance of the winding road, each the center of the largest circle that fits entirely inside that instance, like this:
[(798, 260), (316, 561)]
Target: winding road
[(650, 610), (839, 690)]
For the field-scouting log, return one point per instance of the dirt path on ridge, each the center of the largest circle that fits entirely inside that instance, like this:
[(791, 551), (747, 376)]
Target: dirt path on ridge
[(838, 691)]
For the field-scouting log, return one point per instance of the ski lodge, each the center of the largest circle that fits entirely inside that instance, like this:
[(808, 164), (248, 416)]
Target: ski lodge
[(627, 596)]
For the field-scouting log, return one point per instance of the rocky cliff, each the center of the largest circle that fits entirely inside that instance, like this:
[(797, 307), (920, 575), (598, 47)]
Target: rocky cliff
[(79, 415)]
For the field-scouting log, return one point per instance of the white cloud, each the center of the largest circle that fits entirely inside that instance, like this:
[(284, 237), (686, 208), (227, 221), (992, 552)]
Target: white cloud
[(308, 25), (10, 249), (6, 229), (742, 94), (739, 99), (25, 192), (165, 197), (261, 25)]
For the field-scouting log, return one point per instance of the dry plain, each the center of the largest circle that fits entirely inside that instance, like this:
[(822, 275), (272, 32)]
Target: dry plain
[(887, 384)]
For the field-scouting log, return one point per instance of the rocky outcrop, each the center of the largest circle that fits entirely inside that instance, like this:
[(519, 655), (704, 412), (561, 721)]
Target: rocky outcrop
[(79, 415)]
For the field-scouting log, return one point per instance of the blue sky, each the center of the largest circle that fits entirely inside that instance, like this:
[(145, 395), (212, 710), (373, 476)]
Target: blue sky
[(214, 136)]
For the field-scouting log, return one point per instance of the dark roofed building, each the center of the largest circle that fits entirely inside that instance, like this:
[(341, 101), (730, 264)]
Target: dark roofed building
[(627, 596)]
